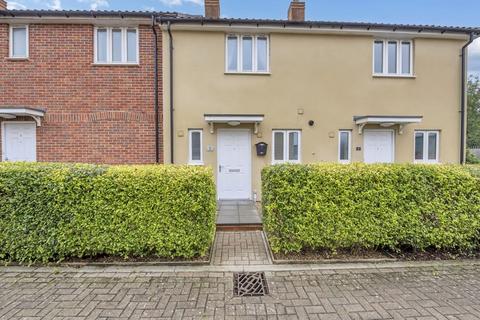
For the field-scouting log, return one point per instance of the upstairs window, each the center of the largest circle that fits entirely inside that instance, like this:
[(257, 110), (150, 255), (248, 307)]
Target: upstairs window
[(344, 146), (116, 45), (19, 42), (195, 147), (247, 53), (426, 146), (286, 146), (392, 57)]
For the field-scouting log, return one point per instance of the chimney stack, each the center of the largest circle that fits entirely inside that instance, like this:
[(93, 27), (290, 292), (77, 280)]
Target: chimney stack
[(212, 9), (3, 5), (296, 11)]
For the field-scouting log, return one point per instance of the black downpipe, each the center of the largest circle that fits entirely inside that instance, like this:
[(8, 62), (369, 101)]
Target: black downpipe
[(463, 100), (155, 81), (170, 37)]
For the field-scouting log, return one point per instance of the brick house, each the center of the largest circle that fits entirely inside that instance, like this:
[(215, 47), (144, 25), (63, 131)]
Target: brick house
[(80, 86)]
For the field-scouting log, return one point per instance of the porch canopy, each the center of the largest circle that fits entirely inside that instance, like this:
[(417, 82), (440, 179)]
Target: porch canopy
[(234, 120), (386, 121), (13, 112)]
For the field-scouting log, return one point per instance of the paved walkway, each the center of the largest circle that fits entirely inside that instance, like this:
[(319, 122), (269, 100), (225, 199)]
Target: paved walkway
[(240, 248), (449, 292), (234, 212)]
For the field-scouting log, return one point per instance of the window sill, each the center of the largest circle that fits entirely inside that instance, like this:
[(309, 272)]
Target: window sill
[(196, 164), (398, 76), (18, 59), (97, 64), (248, 73)]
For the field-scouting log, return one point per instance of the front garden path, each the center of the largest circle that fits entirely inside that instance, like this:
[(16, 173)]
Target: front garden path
[(240, 248)]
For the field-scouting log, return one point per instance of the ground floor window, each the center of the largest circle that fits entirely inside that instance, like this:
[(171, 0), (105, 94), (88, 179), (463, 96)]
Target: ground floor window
[(426, 146), (286, 146), (195, 146), (344, 146)]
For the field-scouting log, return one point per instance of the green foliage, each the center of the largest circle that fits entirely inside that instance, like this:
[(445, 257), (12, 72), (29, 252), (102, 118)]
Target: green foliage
[(473, 112), (334, 206), (50, 212), (471, 158)]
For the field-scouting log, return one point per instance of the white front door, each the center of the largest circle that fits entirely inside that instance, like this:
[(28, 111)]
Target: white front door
[(19, 141), (234, 164), (378, 146)]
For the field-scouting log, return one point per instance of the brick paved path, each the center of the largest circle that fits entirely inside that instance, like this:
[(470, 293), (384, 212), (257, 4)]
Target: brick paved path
[(451, 292), (240, 248)]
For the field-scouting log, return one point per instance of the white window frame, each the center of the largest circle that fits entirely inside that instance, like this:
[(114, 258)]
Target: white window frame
[(190, 160), (349, 155), (385, 72), (425, 146), (285, 146), (27, 37), (124, 60), (240, 54)]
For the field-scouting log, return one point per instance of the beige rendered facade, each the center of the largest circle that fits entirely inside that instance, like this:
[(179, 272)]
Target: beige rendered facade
[(317, 82)]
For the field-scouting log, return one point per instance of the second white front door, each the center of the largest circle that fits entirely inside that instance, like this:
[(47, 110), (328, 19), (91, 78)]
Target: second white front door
[(234, 164), (378, 146), (19, 141)]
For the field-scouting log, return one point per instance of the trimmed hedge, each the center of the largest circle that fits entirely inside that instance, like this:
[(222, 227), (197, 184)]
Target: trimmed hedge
[(358, 206), (51, 212)]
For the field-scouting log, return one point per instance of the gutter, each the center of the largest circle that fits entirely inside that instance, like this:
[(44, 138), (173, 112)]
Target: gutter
[(463, 102), (155, 81), (170, 47)]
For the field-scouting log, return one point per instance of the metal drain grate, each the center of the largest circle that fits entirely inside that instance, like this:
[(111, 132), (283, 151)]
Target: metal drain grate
[(249, 284)]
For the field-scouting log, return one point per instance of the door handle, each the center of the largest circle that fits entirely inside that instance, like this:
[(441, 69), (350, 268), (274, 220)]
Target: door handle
[(219, 168)]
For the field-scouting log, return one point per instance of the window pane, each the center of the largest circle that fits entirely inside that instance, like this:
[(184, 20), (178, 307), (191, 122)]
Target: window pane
[(247, 51), (132, 45), (262, 54), (392, 57), (278, 144), (117, 45), (432, 146), (196, 146), (418, 145), (378, 54), (344, 146), (19, 42), (406, 57), (232, 54), (102, 45), (293, 145)]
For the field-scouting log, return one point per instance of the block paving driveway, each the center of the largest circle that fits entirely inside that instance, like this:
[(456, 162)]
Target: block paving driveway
[(388, 291)]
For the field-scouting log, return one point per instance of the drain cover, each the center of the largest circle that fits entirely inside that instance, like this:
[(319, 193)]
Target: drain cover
[(249, 284)]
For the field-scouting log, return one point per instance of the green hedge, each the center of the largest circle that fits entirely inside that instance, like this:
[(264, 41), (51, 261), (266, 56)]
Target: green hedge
[(50, 212), (358, 206)]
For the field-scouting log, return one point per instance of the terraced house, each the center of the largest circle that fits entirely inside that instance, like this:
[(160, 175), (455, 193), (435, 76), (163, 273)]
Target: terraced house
[(249, 93), (80, 86), (233, 94)]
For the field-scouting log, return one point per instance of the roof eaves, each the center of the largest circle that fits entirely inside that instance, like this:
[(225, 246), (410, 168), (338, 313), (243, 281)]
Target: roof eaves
[(327, 24)]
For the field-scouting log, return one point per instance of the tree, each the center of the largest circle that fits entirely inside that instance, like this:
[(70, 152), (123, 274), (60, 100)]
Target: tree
[(473, 112)]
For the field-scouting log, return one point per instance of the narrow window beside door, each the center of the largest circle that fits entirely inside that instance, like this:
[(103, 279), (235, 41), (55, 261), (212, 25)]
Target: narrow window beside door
[(195, 147), (344, 146), (426, 146), (286, 146), (19, 42)]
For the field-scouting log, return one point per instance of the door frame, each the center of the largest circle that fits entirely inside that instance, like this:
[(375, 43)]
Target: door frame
[(219, 131), (381, 130), (4, 137)]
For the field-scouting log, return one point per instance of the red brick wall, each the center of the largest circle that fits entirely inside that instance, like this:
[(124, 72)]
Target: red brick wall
[(95, 114)]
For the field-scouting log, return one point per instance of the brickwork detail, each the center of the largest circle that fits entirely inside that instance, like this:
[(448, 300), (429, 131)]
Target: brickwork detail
[(95, 114)]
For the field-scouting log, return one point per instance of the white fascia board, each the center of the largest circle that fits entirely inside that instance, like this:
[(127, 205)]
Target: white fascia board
[(241, 119), (396, 120)]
